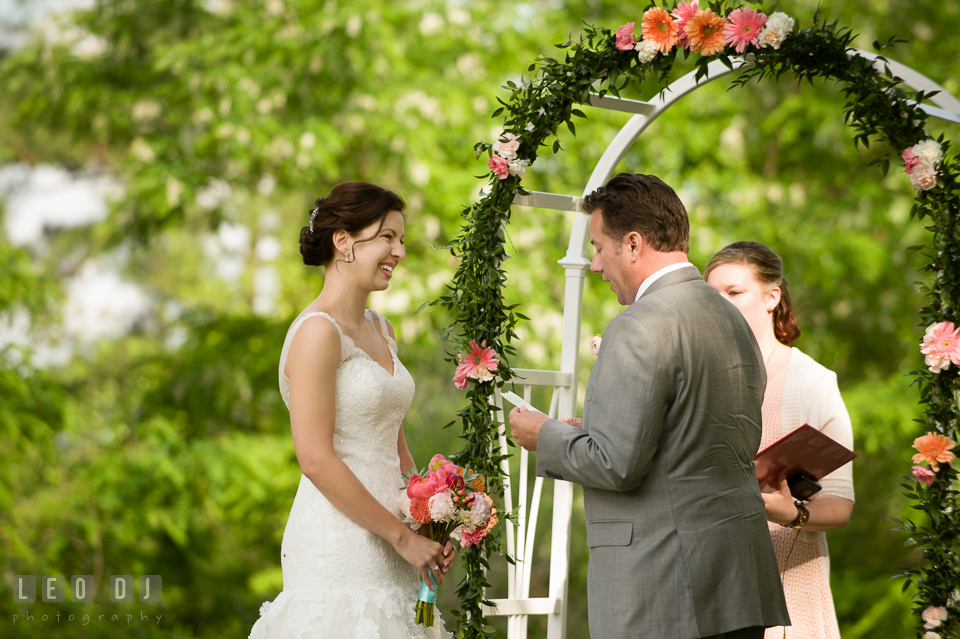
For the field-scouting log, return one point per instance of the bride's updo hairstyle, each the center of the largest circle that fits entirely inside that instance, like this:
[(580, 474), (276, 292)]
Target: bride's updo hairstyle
[(352, 207), (767, 267)]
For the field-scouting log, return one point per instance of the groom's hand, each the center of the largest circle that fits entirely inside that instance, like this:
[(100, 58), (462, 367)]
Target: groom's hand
[(525, 426)]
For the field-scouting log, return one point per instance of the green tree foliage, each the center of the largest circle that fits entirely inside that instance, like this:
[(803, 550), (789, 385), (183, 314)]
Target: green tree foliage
[(154, 455)]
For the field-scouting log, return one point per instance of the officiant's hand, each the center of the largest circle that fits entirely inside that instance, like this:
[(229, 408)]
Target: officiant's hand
[(778, 502), (576, 422), (525, 426)]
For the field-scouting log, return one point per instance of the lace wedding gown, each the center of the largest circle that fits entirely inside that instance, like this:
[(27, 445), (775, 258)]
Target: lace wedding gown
[(340, 580)]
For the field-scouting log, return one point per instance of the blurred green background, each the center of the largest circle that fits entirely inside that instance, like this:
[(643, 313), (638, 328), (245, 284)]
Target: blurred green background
[(141, 428)]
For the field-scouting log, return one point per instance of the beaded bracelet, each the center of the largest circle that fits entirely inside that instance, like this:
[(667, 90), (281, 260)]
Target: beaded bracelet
[(802, 516)]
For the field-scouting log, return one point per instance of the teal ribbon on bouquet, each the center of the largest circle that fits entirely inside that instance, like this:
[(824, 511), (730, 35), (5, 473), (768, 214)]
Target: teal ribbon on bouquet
[(425, 601)]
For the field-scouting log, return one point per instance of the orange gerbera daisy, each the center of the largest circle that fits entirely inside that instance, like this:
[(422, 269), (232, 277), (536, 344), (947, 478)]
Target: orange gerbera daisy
[(660, 28), (705, 32), (934, 448)]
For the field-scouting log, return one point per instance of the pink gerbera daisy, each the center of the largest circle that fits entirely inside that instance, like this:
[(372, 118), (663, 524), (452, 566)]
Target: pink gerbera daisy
[(479, 364), (743, 28), (941, 346), (684, 11), (660, 28)]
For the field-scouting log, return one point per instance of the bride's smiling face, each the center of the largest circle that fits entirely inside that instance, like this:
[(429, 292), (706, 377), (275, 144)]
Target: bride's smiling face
[(373, 261), (738, 284)]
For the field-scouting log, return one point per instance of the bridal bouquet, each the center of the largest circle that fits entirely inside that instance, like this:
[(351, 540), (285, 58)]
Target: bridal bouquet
[(450, 502)]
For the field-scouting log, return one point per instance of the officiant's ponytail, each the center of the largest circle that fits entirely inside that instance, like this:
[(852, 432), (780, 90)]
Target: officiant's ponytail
[(767, 267)]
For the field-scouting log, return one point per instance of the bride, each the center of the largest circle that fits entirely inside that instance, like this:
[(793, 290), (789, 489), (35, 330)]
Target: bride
[(350, 565)]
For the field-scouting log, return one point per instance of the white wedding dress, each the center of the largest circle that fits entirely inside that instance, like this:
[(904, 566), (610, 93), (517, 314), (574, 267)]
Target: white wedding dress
[(340, 580)]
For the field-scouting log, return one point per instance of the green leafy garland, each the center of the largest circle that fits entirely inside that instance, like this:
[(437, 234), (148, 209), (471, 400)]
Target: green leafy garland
[(878, 109)]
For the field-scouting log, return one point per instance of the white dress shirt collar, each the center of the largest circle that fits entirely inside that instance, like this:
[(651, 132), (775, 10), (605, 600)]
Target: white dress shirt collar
[(656, 276)]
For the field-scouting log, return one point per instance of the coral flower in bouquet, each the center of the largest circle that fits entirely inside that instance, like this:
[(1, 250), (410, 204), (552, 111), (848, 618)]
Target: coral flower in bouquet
[(448, 501), (480, 364)]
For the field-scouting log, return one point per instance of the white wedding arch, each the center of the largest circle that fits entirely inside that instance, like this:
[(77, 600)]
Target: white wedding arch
[(518, 605)]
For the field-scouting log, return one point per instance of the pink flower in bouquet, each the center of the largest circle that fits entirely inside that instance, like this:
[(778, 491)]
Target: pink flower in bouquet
[(934, 449), (625, 39), (743, 28), (659, 27), (923, 177), (909, 160), (683, 12), (500, 166), (425, 487), (924, 475), (440, 462), (479, 513), (472, 537), (933, 616), (441, 507), (941, 346), (479, 364)]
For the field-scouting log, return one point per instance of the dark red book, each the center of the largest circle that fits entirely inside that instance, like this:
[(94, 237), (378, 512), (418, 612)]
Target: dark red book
[(804, 451)]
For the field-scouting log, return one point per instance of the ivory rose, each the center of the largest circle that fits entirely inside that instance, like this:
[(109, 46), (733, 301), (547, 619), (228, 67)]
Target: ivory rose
[(933, 616), (928, 151), (506, 147), (647, 51), (924, 177)]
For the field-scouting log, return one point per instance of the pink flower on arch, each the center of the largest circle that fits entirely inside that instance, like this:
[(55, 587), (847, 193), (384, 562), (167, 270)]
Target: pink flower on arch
[(924, 475), (941, 346), (909, 160), (743, 28), (625, 39), (479, 364), (683, 12), (500, 166)]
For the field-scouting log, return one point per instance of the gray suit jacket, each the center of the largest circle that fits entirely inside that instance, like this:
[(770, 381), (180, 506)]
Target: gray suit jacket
[(679, 545)]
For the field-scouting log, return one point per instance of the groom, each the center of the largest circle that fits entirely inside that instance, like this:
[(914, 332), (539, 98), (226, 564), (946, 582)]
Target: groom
[(679, 545)]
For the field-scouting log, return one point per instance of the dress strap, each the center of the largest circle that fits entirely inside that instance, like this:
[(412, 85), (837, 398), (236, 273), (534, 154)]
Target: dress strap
[(392, 343), (346, 343)]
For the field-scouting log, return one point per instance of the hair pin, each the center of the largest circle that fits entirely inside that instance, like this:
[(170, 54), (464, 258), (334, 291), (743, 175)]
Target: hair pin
[(313, 216)]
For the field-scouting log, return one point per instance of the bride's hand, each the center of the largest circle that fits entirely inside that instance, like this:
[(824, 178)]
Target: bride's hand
[(449, 554), (424, 554)]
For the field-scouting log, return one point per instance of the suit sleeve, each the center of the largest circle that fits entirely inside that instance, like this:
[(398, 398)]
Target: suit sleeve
[(628, 396)]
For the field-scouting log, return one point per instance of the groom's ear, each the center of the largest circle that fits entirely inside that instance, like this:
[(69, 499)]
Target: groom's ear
[(633, 244)]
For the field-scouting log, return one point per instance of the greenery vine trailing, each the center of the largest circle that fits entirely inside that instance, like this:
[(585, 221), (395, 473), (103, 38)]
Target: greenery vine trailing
[(878, 109)]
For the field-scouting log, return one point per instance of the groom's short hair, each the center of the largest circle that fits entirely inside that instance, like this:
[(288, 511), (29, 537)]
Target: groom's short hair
[(645, 204)]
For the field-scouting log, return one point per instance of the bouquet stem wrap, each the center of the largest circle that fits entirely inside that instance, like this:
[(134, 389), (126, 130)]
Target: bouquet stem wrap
[(425, 601)]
